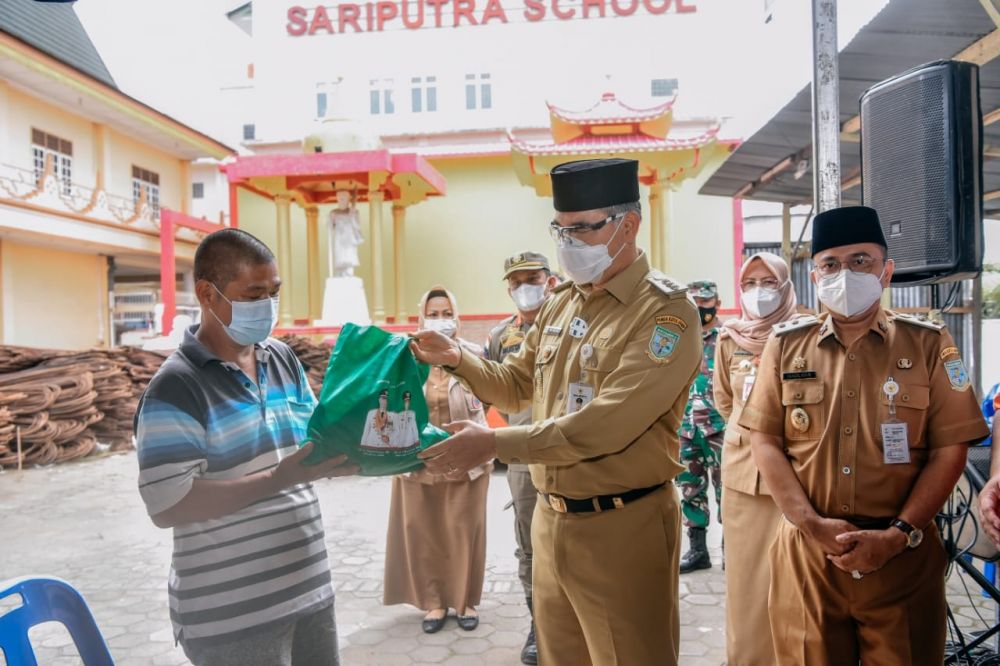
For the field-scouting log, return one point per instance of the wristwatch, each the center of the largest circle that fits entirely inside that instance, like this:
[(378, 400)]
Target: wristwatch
[(914, 535)]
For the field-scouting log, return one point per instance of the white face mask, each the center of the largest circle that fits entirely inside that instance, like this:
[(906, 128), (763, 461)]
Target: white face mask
[(528, 297), (444, 326), (586, 263), (252, 321), (760, 302), (848, 293)]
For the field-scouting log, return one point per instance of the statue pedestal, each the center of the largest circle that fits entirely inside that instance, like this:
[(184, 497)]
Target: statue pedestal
[(344, 302)]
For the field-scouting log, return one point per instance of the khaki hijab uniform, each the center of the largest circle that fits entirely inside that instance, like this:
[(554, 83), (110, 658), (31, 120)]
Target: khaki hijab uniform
[(436, 543), (751, 515)]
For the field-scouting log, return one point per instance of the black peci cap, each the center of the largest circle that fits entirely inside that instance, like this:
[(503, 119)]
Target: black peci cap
[(846, 226), (592, 184)]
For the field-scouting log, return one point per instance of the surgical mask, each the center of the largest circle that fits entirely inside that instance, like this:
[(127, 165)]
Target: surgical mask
[(444, 326), (528, 297), (252, 321), (586, 263), (759, 302), (848, 293)]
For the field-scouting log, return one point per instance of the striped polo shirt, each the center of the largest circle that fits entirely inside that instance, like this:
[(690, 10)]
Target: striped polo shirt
[(203, 418)]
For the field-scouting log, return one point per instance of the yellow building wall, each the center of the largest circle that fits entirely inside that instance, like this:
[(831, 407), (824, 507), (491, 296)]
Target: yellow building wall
[(42, 308), (26, 112), (125, 151), (461, 240)]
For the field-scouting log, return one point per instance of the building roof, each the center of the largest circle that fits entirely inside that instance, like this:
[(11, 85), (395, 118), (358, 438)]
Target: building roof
[(612, 143), (775, 163), (609, 109), (54, 29)]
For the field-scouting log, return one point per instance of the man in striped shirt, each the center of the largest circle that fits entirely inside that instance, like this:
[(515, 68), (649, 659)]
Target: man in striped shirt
[(217, 433)]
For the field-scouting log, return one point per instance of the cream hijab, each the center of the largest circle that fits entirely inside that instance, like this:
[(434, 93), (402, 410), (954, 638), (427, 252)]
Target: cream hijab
[(439, 290), (749, 333)]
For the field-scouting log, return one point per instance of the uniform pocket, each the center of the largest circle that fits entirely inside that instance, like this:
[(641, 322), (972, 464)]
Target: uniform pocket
[(805, 414), (911, 402), (543, 369)]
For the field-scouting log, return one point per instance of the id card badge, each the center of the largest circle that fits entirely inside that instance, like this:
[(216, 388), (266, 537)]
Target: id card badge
[(895, 439), (748, 384), (580, 395)]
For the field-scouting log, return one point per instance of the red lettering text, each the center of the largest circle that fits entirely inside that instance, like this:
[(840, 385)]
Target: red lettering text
[(560, 14), (347, 15), (494, 10), (534, 10), (464, 9), (369, 16), (321, 21), (593, 4), (296, 21), (419, 22), (653, 9), (385, 11), (437, 4), (624, 11), (685, 9)]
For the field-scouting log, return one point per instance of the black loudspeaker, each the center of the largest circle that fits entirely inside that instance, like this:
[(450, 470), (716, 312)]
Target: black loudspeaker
[(922, 170)]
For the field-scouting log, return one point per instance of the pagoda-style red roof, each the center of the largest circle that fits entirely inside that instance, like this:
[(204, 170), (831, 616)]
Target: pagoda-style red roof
[(590, 144), (609, 109)]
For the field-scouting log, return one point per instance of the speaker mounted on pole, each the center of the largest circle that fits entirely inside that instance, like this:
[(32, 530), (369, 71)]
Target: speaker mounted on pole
[(922, 170)]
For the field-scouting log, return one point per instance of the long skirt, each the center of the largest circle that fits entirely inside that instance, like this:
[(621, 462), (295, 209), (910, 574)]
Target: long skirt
[(436, 545)]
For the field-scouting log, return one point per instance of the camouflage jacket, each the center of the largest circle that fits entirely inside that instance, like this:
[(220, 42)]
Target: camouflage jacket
[(504, 339), (700, 411)]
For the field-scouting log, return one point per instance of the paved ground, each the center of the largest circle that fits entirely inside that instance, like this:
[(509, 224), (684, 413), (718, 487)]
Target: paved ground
[(84, 522)]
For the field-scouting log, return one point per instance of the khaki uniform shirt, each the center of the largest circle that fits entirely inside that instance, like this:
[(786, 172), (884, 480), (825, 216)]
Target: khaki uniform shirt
[(828, 402), (638, 347), (733, 366)]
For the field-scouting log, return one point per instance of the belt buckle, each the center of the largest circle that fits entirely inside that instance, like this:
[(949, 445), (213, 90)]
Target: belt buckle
[(557, 503)]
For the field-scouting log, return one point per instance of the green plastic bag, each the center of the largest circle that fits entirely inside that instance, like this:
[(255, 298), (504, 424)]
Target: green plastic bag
[(372, 405)]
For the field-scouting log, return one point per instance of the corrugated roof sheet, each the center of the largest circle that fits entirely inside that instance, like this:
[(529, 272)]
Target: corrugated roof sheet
[(905, 34), (55, 29)]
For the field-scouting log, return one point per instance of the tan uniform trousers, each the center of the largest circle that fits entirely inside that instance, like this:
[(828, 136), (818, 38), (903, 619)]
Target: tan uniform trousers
[(524, 496), (820, 615), (750, 527), (605, 584)]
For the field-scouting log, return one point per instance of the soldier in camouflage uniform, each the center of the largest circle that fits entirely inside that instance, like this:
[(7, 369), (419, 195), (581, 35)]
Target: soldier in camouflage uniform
[(529, 282), (701, 435)]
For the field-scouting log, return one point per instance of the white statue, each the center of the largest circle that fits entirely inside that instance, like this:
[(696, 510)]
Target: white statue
[(345, 237)]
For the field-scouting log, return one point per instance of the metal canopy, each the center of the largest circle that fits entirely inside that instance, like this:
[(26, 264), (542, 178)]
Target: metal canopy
[(905, 34)]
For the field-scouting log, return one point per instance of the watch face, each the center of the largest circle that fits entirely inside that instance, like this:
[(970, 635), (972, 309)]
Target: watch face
[(915, 538)]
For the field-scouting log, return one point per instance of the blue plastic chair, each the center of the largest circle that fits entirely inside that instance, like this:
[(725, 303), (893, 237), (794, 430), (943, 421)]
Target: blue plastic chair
[(47, 600)]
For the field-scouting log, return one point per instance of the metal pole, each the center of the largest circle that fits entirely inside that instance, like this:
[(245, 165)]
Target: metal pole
[(826, 106)]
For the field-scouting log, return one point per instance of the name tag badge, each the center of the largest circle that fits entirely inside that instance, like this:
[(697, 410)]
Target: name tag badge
[(748, 385), (580, 395), (895, 443), (552, 330)]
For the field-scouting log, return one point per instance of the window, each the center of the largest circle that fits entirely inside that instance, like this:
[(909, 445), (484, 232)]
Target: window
[(197, 190), (663, 87), (321, 105), (249, 132), (150, 182), (478, 91), (380, 97), (46, 146), (423, 93)]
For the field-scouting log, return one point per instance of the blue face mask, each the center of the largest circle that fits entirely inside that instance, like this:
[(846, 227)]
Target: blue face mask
[(252, 321)]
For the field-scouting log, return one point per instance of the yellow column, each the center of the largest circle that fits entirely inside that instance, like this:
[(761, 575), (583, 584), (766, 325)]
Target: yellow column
[(786, 232), (655, 225), (313, 269), (375, 233), (185, 187), (283, 205), (398, 255)]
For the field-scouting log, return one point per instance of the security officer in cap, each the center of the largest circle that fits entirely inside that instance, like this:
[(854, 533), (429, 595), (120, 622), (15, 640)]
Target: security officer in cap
[(529, 283), (860, 423), (606, 368), (702, 432)]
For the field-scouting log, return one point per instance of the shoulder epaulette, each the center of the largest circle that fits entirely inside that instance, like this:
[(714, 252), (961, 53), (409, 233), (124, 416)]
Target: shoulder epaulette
[(917, 321), (796, 324), (562, 286), (670, 287)]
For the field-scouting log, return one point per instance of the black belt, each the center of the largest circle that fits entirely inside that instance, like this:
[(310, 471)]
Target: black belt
[(598, 503), (870, 523)]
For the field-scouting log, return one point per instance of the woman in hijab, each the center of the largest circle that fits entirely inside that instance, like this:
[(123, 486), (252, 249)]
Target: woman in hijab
[(436, 545), (750, 515)]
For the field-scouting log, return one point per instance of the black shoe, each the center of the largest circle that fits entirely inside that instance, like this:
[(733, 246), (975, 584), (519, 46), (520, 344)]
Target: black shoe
[(468, 622), (434, 626), (529, 653), (697, 556)]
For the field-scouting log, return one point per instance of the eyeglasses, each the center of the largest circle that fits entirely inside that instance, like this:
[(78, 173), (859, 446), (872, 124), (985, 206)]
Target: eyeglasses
[(858, 263), (767, 283), (560, 233)]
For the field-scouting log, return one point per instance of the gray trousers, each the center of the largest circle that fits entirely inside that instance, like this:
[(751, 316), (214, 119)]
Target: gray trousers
[(309, 641), (523, 492)]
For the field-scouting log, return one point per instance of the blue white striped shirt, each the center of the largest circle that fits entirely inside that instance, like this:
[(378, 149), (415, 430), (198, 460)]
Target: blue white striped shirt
[(203, 418)]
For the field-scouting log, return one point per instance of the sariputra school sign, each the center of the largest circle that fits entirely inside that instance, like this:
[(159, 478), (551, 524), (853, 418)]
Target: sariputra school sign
[(348, 17)]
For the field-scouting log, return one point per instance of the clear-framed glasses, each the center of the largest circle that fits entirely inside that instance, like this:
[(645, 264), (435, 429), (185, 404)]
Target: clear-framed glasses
[(858, 263), (766, 283), (560, 233)]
